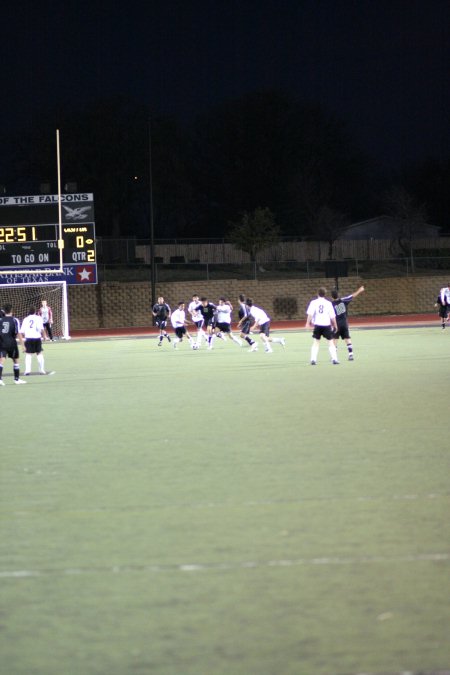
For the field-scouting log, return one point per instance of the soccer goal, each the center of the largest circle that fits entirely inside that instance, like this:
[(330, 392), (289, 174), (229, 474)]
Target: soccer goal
[(23, 296)]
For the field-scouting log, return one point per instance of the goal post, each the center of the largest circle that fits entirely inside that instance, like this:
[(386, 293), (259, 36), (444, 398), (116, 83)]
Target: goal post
[(23, 296)]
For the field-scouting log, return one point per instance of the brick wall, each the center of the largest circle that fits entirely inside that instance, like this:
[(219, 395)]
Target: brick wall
[(116, 305)]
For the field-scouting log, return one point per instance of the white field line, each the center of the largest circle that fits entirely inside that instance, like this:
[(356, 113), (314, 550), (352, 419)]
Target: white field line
[(252, 503), (233, 566)]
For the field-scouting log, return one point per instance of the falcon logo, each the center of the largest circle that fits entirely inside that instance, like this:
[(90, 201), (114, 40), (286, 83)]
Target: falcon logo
[(79, 213)]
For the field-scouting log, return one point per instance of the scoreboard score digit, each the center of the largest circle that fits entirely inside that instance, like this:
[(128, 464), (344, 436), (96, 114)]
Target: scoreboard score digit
[(79, 243)]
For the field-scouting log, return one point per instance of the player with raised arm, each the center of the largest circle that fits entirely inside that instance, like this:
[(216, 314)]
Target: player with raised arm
[(321, 317), (9, 331), (161, 312), (340, 307)]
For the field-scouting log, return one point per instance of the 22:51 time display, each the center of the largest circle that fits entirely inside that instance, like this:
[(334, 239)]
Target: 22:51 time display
[(24, 234)]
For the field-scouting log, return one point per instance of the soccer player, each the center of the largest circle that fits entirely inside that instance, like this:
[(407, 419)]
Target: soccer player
[(223, 321), (245, 321), (32, 330), (197, 319), (443, 302), (161, 312), (261, 321), (178, 319), (47, 317), (322, 318), (207, 310), (9, 331), (340, 308)]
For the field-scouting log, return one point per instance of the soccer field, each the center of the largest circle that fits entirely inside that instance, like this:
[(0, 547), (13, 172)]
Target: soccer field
[(180, 512)]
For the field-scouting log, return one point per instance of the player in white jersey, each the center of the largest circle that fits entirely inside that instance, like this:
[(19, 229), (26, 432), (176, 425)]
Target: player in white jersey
[(261, 322), (197, 319), (32, 330), (443, 302), (178, 320), (322, 318), (223, 321)]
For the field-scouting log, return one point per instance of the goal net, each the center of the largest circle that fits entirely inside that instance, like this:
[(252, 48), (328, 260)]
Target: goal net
[(23, 296)]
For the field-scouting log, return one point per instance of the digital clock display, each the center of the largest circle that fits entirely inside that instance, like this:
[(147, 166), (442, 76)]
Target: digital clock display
[(25, 234)]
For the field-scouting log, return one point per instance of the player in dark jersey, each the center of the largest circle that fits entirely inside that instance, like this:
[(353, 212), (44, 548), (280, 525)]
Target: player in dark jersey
[(208, 311), (9, 330), (340, 307), (161, 312), (245, 321)]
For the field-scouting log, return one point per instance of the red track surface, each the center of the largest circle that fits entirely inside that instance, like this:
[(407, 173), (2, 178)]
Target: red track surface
[(357, 321)]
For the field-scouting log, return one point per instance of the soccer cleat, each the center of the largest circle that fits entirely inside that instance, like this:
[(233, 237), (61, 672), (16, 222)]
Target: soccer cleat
[(350, 357), (27, 374), (335, 363), (159, 344), (19, 382), (47, 372), (2, 384), (167, 336), (253, 348), (313, 363), (269, 351)]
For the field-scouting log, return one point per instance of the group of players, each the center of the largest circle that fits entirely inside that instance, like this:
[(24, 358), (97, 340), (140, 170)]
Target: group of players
[(213, 321), (30, 334), (327, 318)]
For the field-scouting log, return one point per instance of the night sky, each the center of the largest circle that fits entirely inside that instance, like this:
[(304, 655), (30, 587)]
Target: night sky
[(381, 66)]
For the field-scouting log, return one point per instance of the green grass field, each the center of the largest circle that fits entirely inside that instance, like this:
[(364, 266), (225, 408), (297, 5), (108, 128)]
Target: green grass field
[(221, 513)]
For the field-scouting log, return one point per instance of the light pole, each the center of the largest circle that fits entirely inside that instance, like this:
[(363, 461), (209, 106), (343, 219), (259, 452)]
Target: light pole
[(152, 229)]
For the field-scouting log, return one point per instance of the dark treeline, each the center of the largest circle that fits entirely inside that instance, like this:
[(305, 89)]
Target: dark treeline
[(265, 150)]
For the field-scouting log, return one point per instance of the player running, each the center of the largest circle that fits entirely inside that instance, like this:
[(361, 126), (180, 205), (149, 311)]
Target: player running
[(261, 321), (223, 321), (161, 311)]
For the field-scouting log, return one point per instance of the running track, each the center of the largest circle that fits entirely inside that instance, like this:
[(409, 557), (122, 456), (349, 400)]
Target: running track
[(399, 320)]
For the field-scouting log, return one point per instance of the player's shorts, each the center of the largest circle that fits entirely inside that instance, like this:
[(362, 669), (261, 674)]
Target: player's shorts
[(265, 328), (161, 323), (199, 324), (180, 331), (342, 332), (224, 327), (33, 346), (323, 331), (10, 350), (209, 321), (443, 311), (245, 326)]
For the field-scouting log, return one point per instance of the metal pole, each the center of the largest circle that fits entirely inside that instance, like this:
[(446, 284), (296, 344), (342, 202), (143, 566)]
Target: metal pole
[(152, 230)]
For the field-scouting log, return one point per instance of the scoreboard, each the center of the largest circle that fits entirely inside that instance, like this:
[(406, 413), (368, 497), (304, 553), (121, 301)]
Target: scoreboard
[(30, 236)]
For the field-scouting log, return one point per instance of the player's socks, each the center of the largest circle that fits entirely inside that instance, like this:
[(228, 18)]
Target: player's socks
[(249, 340), (40, 360), (314, 352), (236, 340), (28, 363), (16, 369), (350, 348), (1, 371), (332, 350)]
